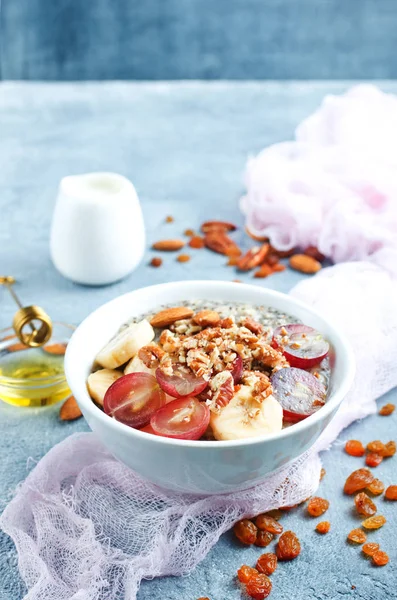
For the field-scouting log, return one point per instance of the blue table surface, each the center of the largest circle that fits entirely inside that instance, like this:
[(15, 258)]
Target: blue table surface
[(184, 145)]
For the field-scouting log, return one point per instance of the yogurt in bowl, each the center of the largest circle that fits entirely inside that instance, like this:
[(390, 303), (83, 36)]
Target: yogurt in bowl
[(223, 455)]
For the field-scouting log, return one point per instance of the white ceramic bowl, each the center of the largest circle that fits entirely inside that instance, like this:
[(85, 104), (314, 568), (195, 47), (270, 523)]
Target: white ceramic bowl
[(194, 466)]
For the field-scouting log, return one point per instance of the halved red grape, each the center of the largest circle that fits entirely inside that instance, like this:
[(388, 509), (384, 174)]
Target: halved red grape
[(299, 393), (237, 368), (181, 383), (302, 346), (183, 419), (133, 399)]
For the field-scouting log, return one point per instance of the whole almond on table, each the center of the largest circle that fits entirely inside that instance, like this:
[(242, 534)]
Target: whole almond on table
[(304, 264), (168, 245), (70, 410), (253, 258), (217, 226), (170, 315)]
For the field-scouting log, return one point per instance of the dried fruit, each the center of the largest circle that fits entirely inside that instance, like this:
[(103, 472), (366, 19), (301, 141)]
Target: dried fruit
[(269, 524), (376, 446), (358, 480), (322, 473), (245, 573), (304, 264), (209, 226), (156, 261), (374, 522), (169, 219), (288, 546), (364, 505), (354, 448), (264, 271), (314, 252), (380, 558), (70, 410), (357, 536), (391, 492), (373, 460), (263, 538), (189, 232), (390, 449), (253, 258), (168, 245), (387, 410), (206, 318), (317, 506), (370, 548), (259, 587), (182, 258), (218, 241), (58, 349), (196, 242), (376, 488), (323, 527), (170, 315), (245, 531), (267, 563)]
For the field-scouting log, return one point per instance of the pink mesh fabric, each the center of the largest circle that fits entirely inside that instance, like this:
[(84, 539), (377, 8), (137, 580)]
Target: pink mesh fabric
[(87, 528)]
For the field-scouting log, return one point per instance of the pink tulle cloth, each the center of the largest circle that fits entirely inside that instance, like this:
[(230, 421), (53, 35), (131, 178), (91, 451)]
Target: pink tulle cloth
[(335, 185), (86, 527)]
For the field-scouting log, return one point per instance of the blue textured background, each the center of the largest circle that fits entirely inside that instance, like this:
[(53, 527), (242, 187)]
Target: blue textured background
[(198, 39), (184, 146)]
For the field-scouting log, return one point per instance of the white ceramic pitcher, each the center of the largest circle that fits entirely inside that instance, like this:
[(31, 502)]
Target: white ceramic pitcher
[(97, 233)]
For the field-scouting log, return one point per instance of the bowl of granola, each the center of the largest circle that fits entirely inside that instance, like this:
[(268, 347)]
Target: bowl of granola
[(207, 387)]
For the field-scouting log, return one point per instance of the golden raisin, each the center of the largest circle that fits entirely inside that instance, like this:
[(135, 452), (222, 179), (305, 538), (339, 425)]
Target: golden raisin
[(357, 536), (380, 558), (387, 410), (390, 449), (259, 586), (354, 448), (322, 474), (196, 242), (268, 524), (376, 446), (374, 522), (245, 531), (364, 505), (182, 258), (370, 548), (156, 261), (188, 232), (377, 487), (317, 506), (323, 527), (169, 219), (267, 563), (275, 513), (245, 573), (358, 480), (263, 538), (373, 459), (288, 546), (391, 492)]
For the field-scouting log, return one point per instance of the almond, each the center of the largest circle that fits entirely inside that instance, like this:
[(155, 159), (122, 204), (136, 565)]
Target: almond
[(170, 315), (253, 258), (217, 226), (55, 348), (207, 318), (17, 347), (70, 410), (304, 264), (218, 241), (168, 245)]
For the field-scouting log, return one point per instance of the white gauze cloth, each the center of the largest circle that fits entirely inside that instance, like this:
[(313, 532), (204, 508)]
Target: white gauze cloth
[(88, 528)]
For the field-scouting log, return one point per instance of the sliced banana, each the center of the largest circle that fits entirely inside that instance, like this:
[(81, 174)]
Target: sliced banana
[(99, 382), (246, 417), (136, 365), (125, 344)]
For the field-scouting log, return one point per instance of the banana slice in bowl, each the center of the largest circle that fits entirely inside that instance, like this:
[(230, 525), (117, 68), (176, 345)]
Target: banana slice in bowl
[(125, 344)]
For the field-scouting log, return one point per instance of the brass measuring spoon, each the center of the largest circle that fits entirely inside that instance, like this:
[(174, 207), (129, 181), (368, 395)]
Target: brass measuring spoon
[(33, 316)]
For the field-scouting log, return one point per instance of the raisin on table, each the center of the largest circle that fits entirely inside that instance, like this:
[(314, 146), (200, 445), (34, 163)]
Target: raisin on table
[(364, 505), (288, 546), (267, 563), (259, 587), (391, 492), (245, 531), (357, 536), (269, 524), (358, 480), (317, 506), (374, 522)]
